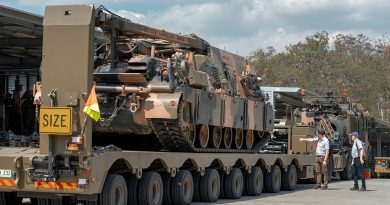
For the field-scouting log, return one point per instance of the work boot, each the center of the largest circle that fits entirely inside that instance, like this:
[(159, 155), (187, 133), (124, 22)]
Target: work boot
[(363, 188), (324, 188), (317, 187), (354, 188)]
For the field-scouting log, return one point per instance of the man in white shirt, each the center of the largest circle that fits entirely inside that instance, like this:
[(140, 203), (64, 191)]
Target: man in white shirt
[(322, 154)]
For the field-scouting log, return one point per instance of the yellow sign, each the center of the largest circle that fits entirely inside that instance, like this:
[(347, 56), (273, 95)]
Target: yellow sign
[(55, 120)]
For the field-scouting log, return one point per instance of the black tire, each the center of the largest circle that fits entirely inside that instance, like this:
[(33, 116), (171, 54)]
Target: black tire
[(182, 188), (254, 182), (210, 186), (167, 181), (114, 191), (132, 190), (42, 201), (222, 177), (290, 178), (234, 184), (33, 201), (244, 177), (346, 174), (150, 189), (330, 168), (273, 180), (94, 203), (196, 178), (10, 198), (57, 202)]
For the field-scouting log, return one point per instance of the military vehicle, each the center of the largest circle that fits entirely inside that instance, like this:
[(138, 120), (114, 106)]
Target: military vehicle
[(150, 84), (191, 95), (300, 112), (287, 102), (339, 116), (382, 166)]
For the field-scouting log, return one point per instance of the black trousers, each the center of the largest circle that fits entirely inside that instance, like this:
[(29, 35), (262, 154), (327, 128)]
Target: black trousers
[(357, 172)]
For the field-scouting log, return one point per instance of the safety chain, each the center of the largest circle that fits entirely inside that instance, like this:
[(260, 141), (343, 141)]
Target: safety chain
[(105, 122)]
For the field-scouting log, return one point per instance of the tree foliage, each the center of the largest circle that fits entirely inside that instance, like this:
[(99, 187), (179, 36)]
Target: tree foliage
[(317, 64)]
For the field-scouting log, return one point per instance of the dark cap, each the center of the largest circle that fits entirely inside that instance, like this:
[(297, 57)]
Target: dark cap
[(354, 134), (321, 131)]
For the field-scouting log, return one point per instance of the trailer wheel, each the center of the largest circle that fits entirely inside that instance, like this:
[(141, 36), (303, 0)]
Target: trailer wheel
[(33, 201), (234, 184), (196, 178), (167, 180), (346, 174), (114, 191), (182, 188), (57, 202), (330, 169), (150, 189), (43, 201), (210, 185), (254, 182), (273, 180), (290, 178), (132, 189), (222, 177), (91, 203), (10, 198)]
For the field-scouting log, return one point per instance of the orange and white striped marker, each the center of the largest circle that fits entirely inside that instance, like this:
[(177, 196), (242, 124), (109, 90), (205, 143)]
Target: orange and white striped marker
[(7, 182), (56, 185)]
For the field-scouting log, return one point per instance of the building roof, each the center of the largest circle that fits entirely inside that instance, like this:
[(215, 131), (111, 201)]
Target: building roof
[(20, 40)]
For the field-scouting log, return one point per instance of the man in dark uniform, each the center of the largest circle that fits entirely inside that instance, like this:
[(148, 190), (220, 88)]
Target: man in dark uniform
[(357, 154)]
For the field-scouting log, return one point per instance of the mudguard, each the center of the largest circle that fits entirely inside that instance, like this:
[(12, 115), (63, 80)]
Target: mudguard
[(162, 105)]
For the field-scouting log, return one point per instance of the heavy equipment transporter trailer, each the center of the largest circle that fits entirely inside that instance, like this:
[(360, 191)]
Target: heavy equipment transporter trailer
[(112, 176)]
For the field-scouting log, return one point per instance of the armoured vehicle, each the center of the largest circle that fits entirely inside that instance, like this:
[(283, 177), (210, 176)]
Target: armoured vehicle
[(301, 112), (339, 116), (81, 163), (191, 95)]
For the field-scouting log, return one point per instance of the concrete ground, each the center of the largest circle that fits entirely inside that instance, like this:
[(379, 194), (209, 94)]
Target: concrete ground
[(338, 193)]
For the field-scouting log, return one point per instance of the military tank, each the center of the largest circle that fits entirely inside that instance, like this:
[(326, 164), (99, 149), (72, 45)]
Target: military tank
[(189, 95)]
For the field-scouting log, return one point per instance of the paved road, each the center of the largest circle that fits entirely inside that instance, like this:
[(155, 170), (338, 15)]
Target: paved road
[(338, 193)]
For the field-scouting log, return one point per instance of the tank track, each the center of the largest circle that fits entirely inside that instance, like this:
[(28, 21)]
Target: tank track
[(172, 138)]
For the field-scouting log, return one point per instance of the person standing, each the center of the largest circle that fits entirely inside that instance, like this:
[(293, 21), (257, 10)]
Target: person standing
[(322, 154), (357, 154)]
